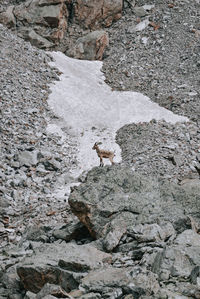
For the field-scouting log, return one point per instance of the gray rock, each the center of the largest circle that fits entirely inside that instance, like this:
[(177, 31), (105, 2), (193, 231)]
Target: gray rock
[(10, 280), (50, 262), (152, 232), (188, 238), (4, 203), (52, 165), (195, 274), (84, 258), (51, 289), (131, 280), (27, 158), (69, 232), (117, 193), (128, 246), (42, 15), (139, 11), (178, 160), (115, 232), (29, 295), (35, 39), (36, 233)]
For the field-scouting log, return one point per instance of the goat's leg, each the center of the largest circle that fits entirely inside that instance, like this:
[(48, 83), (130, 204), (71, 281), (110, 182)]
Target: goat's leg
[(101, 162), (111, 160)]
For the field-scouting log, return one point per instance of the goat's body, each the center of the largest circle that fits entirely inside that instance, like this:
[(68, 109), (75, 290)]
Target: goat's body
[(103, 154)]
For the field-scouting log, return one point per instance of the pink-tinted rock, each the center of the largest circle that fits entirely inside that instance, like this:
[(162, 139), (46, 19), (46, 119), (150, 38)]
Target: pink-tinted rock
[(49, 18), (95, 13), (90, 46)]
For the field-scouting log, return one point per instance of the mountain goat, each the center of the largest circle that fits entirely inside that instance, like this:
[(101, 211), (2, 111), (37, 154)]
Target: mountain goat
[(103, 154)]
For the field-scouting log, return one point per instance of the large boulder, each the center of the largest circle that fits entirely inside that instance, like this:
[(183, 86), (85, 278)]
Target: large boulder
[(131, 280), (34, 38), (116, 193), (55, 264), (41, 22), (90, 46), (45, 13), (95, 13)]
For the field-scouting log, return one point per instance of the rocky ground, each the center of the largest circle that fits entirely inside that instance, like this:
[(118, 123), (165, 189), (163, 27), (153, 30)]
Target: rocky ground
[(162, 60), (147, 249), (33, 162), (162, 149)]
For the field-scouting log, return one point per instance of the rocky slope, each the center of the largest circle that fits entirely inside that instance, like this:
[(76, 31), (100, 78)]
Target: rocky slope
[(136, 231), (161, 58)]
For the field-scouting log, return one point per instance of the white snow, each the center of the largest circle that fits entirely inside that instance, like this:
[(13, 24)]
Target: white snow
[(93, 112)]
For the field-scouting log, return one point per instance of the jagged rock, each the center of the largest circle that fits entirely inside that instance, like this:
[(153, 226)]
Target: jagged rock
[(188, 238), (7, 18), (51, 264), (130, 280), (115, 233), (34, 38), (29, 295), (76, 293), (43, 23), (27, 158), (95, 13), (4, 203), (130, 4), (90, 46), (127, 247), (52, 289), (139, 11), (151, 232), (84, 258), (37, 12), (10, 281), (195, 275), (36, 233), (118, 193), (179, 259), (52, 165), (69, 232)]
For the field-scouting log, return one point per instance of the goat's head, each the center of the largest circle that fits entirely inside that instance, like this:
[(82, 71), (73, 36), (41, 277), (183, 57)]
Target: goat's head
[(95, 146)]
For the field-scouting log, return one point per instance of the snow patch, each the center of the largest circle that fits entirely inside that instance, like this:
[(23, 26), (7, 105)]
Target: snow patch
[(93, 112)]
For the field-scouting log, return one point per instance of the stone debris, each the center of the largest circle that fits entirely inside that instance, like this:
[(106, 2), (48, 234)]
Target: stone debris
[(166, 66), (32, 163), (161, 149)]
